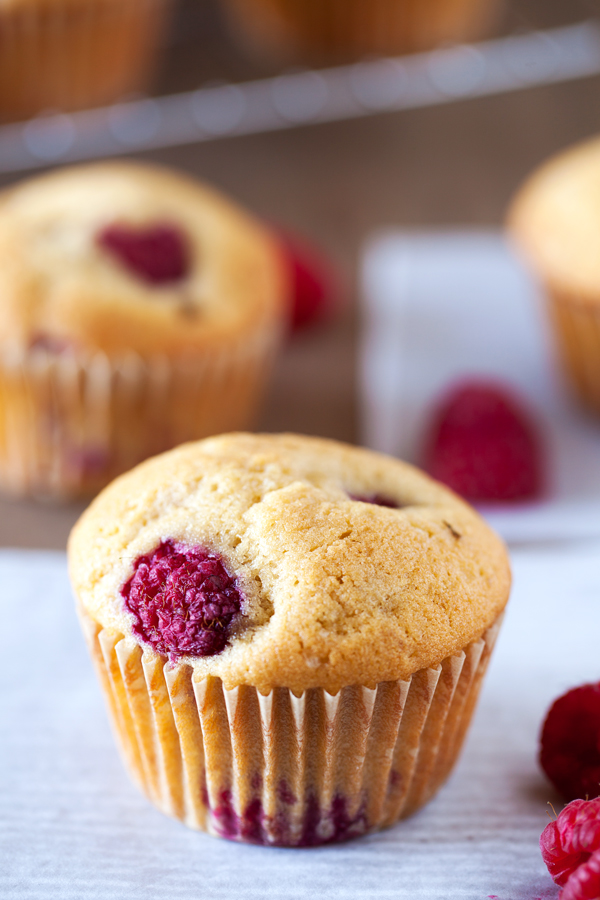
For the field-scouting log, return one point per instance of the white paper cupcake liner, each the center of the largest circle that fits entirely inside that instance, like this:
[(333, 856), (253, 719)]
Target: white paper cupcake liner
[(577, 330), (330, 30), (280, 769), (69, 54), (69, 425)]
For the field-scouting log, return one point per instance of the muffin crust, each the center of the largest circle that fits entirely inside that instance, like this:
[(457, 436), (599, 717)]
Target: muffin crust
[(337, 591)]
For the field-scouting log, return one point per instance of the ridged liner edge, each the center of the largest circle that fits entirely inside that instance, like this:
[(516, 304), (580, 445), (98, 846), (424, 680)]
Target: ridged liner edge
[(278, 768), (61, 414)]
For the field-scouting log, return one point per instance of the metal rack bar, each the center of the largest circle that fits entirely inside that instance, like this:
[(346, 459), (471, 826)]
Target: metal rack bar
[(304, 98)]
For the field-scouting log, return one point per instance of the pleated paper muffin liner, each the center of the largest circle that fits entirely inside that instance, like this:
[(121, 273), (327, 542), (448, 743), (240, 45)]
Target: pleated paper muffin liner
[(281, 769), (71, 54), (577, 330), (341, 30), (69, 425)]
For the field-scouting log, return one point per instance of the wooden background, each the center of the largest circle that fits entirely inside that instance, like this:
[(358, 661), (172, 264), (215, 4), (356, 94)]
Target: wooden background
[(338, 183)]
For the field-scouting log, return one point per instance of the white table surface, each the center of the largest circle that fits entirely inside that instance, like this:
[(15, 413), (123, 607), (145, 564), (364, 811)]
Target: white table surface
[(72, 827)]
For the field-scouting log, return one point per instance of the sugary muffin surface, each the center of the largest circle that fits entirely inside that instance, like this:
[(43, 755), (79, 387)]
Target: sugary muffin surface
[(334, 590), (556, 219), (122, 256)]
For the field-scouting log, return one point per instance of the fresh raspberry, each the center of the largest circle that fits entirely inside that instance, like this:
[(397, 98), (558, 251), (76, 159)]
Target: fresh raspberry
[(377, 499), (312, 283), (183, 601), (570, 848), (584, 883), (158, 254), (483, 446), (570, 743)]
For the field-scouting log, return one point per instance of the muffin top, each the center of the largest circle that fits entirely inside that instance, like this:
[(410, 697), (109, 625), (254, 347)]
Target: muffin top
[(124, 257), (556, 219), (288, 561)]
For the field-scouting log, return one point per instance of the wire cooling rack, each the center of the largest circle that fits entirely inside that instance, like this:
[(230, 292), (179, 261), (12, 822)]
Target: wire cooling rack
[(305, 97)]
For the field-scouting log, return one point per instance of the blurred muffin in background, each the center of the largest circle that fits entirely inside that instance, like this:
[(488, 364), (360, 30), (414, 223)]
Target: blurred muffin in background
[(139, 309), (328, 31), (72, 54), (555, 219)]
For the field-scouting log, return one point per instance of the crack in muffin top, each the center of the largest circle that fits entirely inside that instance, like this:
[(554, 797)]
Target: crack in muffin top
[(336, 589)]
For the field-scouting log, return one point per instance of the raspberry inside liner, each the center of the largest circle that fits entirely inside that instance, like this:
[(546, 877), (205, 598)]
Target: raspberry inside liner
[(183, 601)]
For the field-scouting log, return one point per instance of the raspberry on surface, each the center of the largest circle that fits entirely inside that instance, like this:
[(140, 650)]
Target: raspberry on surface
[(584, 883), (158, 254), (570, 743), (483, 446), (570, 847), (313, 284), (182, 600)]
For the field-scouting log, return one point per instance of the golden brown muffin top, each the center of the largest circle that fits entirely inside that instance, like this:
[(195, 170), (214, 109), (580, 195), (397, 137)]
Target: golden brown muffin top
[(336, 591), (556, 220), (64, 286)]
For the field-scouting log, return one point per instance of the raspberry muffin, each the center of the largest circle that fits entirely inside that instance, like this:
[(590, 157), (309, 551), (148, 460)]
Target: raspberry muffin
[(325, 31), (138, 309), (291, 633), (555, 219), (70, 54)]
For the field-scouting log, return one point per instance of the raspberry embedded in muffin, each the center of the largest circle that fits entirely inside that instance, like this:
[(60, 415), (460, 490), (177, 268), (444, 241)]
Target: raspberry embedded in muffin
[(183, 601), (377, 500), (158, 253)]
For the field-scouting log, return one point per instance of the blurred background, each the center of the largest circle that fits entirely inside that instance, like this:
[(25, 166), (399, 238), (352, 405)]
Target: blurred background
[(337, 183)]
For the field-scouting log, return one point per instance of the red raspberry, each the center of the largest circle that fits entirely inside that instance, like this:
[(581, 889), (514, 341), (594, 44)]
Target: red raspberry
[(584, 883), (570, 743), (158, 254), (183, 601), (312, 283), (571, 849), (483, 446)]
